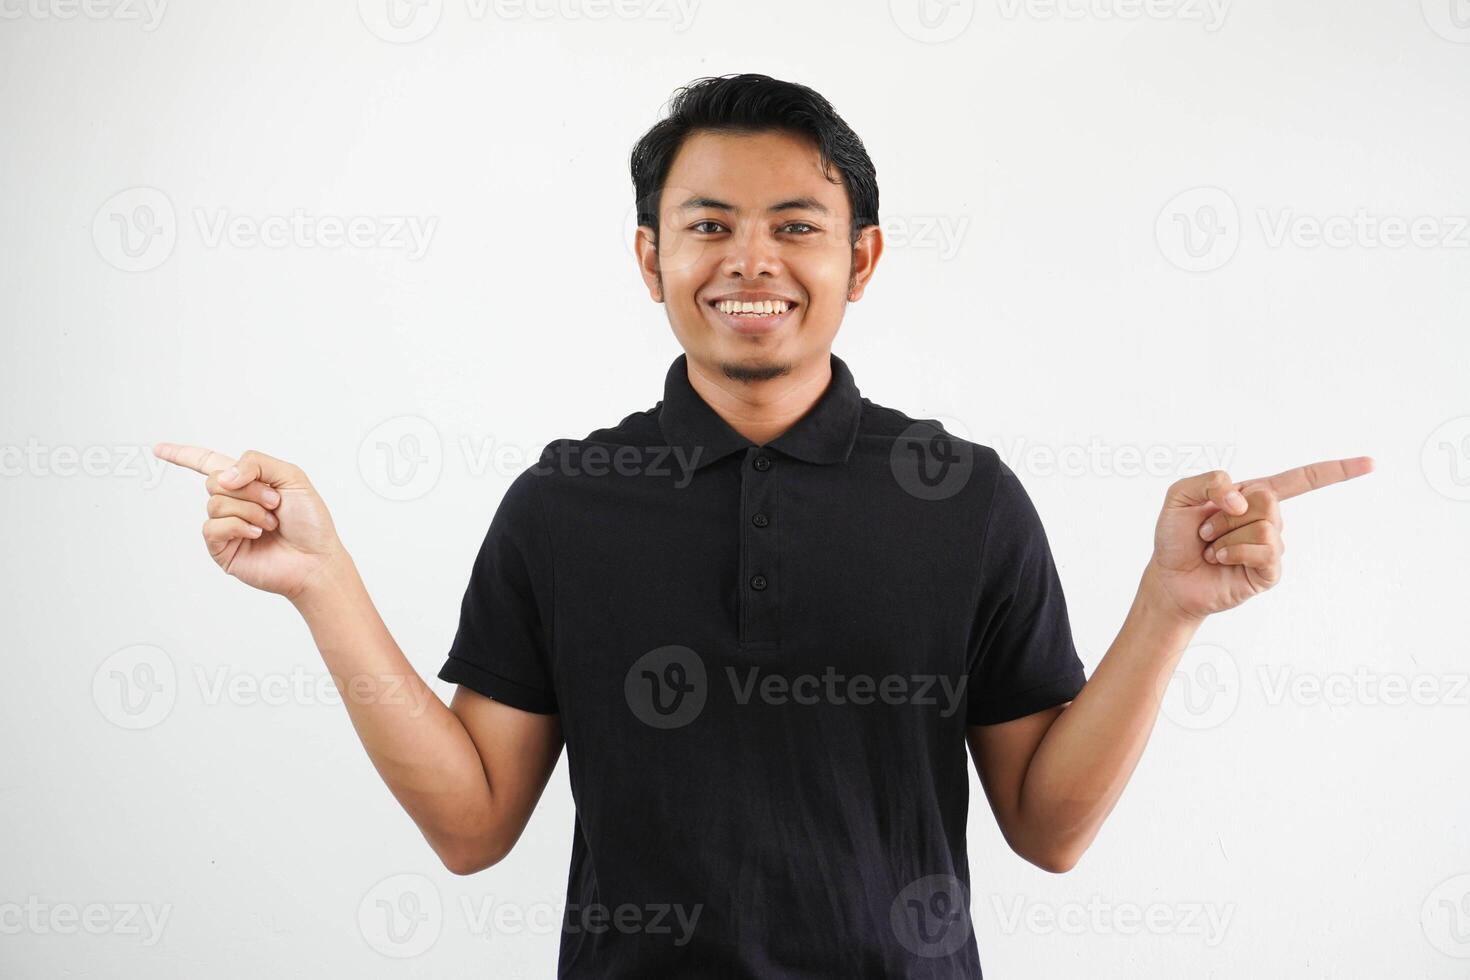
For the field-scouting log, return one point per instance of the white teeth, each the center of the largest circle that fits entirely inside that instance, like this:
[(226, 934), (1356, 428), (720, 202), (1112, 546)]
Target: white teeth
[(762, 308)]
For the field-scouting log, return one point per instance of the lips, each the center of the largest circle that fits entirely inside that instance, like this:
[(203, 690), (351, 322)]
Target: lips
[(752, 324)]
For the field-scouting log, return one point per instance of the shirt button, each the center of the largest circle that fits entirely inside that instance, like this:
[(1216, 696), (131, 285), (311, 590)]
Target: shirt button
[(760, 520), (758, 582), (762, 463)]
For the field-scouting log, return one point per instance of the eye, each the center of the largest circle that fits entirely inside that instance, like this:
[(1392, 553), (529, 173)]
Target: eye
[(697, 225), (802, 224)]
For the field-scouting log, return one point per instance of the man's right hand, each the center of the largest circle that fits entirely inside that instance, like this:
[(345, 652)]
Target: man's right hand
[(267, 525), (438, 762)]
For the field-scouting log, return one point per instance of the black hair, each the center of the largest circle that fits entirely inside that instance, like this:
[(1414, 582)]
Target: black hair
[(751, 103)]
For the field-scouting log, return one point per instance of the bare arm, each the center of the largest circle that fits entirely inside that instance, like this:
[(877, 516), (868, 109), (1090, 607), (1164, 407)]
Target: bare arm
[(468, 777), (1053, 777)]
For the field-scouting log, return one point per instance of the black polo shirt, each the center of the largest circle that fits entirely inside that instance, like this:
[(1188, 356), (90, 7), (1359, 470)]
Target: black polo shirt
[(765, 659)]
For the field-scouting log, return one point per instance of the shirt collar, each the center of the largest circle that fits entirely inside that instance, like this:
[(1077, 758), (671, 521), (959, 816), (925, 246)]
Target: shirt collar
[(825, 434)]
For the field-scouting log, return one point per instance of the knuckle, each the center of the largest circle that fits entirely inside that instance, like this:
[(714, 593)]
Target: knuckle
[(214, 507)]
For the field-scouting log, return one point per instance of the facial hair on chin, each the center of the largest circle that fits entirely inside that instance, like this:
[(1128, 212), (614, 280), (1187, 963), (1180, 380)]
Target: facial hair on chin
[(737, 371)]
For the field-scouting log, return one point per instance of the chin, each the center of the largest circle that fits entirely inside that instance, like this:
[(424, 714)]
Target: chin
[(759, 368)]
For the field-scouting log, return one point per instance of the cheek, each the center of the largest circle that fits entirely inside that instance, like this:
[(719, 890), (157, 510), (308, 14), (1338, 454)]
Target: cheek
[(825, 282), (682, 265), (682, 285)]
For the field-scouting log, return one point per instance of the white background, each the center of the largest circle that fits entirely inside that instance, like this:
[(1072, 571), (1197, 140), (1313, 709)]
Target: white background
[(1040, 168)]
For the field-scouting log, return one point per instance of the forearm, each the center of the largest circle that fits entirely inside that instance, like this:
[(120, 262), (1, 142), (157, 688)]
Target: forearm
[(418, 745), (1090, 752)]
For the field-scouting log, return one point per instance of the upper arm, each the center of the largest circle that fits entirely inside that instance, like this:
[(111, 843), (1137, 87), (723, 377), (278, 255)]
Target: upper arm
[(1026, 669), (501, 661), (1023, 658), (1002, 754), (518, 750)]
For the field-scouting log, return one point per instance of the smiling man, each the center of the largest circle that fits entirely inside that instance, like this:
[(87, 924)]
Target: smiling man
[(766, 617)]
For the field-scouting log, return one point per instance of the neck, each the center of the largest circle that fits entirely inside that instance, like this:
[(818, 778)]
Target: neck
[(762, 410)]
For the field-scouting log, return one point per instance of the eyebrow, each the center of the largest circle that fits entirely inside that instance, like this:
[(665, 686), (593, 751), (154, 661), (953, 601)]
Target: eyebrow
[(795, 204)]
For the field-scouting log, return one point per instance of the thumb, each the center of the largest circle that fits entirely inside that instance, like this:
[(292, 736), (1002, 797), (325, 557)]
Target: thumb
[(1214, 487), (253, 465)]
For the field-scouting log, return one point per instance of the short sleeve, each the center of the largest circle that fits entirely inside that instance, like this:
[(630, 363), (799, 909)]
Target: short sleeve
[(500, 647), (1026, 660)]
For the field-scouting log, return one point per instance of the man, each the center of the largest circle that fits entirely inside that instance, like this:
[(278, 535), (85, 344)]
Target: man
[(766, 615)]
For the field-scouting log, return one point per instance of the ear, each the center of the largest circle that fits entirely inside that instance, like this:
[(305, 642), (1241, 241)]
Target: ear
[(865, 254), (647, 254)]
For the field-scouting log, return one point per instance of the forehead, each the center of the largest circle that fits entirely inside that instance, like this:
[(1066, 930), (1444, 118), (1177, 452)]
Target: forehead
[(751, 171)]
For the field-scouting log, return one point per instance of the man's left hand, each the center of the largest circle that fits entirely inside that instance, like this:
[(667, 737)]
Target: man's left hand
[(1218, 542)]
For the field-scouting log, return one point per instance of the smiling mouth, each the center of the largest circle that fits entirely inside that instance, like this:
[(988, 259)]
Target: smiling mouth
[(755, 309), (753, 318)]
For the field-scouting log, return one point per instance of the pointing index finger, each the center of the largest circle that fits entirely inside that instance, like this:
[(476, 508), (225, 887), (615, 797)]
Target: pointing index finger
[(196, 458), (1290, 483)]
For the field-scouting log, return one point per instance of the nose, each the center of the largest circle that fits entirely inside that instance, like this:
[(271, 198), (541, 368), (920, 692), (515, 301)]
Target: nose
[(752, 252)]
